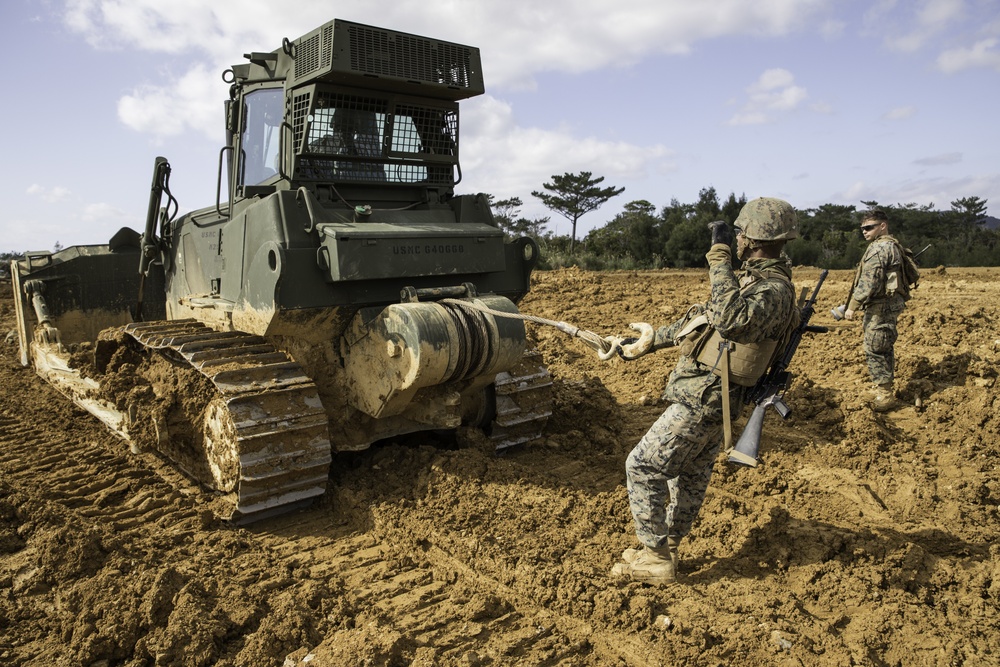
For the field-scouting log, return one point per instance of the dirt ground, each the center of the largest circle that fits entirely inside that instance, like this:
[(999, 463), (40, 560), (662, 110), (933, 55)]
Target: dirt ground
[(864, 539)]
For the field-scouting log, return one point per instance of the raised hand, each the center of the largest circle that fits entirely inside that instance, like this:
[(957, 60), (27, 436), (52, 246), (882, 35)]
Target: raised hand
[(721, 232)]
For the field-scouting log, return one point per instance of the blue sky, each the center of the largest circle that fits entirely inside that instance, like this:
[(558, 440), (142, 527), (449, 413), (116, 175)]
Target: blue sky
[(814, 101)]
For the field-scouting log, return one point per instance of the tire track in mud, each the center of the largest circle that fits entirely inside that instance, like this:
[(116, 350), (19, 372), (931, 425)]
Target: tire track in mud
[(419, 595), (88, 478), (413, 593)]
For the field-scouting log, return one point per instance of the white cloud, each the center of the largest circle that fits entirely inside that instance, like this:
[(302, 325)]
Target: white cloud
[(983, 53), (191, 102), (773, 92), (939, 11), (508, 160), (906, 43), (832, 28), (557, 35), (51, 194), (565, 35), (878, 12), (899, 113), (150, 26), (748, 118), (963, 32), (937, 14)]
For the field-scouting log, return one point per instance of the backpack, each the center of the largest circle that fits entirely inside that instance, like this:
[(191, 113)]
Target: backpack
[(908, 272), (911, 272)]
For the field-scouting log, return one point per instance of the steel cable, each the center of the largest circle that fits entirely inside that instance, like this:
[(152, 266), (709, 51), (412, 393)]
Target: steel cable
[(592, 339)]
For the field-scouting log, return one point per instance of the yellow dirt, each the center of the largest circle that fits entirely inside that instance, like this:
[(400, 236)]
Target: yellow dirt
[(864, 540)]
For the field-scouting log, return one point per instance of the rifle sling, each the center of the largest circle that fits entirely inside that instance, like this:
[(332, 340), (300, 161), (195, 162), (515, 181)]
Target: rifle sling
[(727, 420)]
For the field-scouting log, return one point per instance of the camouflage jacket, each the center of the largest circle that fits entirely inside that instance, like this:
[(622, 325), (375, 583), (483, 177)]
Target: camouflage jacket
[(764, 310), (881, 257)]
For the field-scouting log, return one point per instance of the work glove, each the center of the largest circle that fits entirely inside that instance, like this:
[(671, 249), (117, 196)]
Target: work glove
[(633, 348), (721, 232)]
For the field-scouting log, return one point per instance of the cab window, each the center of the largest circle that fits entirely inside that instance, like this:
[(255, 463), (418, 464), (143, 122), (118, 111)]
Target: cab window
[(262, 111)]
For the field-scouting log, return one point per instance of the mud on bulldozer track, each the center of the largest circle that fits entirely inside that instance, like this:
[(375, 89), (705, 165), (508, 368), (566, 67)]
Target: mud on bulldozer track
[(259, 434)]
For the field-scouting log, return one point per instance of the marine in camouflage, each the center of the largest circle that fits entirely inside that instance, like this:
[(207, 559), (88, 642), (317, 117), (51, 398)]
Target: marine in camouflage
[(870, 293), (668, 473), (669, 470)]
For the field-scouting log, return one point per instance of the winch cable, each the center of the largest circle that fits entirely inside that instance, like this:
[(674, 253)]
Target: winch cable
[(603, 347)]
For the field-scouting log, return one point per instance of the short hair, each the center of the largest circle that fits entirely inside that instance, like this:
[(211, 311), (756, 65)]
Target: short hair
[(876, 215)]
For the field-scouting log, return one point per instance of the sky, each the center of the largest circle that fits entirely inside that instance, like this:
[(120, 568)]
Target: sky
[(812, 101)]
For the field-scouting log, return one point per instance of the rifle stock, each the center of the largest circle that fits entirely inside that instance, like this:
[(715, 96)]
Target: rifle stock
[(770, 389), (745, 451)]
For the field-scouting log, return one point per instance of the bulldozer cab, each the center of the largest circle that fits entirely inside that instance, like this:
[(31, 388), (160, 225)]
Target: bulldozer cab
[(338, 137), (347, 106)]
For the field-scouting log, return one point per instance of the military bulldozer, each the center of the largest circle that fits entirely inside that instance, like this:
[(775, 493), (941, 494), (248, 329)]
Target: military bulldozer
[(340, 293)]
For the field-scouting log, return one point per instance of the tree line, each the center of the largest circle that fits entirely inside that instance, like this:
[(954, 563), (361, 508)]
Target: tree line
[(676, 235)]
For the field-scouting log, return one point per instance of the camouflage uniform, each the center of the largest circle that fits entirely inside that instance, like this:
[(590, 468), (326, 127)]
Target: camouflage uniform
[(669, 470), (881, 309)]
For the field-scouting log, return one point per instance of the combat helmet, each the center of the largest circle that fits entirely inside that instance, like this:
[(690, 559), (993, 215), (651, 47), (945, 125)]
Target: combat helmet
[(768, 219)]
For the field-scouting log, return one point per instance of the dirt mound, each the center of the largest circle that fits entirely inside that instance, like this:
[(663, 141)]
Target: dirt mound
[(864, 539)]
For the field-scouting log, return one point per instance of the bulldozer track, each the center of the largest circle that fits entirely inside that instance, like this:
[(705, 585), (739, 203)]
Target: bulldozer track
[(283, 447), (413, 586), (523, 402), (270, 420)]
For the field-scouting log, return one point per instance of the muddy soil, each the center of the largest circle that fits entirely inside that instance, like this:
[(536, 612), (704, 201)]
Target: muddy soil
[(864, 539)]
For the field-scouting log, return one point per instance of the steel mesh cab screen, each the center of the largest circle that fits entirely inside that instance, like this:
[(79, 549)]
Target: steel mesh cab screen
[(375, 51), (359, 55), (341, 137)]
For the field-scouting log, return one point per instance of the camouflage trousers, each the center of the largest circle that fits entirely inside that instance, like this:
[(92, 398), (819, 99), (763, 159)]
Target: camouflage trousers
[(668, 473), (879, 325)]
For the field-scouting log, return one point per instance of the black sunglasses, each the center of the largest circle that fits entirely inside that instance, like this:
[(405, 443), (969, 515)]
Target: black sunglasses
[(868, 228)]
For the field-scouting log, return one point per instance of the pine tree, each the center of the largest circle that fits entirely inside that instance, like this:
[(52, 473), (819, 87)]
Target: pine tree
[(575, 195)]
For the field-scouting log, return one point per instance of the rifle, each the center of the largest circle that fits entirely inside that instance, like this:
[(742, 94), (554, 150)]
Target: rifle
[(771, 387)]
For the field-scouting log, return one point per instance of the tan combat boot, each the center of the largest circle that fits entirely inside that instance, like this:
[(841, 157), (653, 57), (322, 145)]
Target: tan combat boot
[(651, 565), (883, 398), (630, 555)]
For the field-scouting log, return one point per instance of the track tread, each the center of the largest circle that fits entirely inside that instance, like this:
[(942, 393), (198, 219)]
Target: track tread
[(524, 398), (283, 446)]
